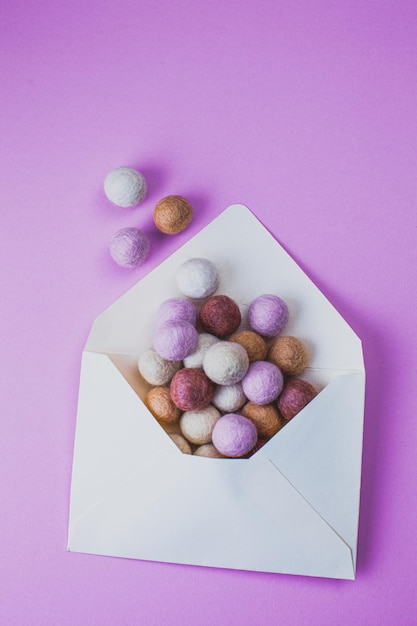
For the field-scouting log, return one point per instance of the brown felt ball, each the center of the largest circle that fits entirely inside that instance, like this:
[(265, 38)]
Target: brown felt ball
[(191, 389), (172, 214), (253, 343), (159, 402), (265, 417), (290, 354), (182, 443), (220, 316), (295, 395)]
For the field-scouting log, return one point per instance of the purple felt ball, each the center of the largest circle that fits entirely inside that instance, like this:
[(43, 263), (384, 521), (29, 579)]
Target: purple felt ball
[(174, 340), (234, 435), (268, 315), (176, 309), (129, 247), (263, 382)]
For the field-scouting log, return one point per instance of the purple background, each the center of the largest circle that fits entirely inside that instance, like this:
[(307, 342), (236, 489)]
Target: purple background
[(305, 112)]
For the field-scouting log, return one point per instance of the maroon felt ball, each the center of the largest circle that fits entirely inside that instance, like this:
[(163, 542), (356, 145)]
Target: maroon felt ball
[(220, 316), (295, 395), (191, 389)]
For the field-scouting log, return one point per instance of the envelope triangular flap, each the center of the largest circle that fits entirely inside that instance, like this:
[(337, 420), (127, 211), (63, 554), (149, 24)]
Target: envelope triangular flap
[(250, 262), (319, 451)]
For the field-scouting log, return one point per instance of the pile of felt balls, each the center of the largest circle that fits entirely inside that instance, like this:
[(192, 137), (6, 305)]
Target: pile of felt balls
[(217, 390), (126, 187)]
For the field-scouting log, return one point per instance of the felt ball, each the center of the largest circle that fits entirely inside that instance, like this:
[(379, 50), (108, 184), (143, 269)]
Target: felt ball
[(156, 370), (182, 443), (265, 417), (125, 186), (220, 316), (159, 402), (234, 435), (268, 315), (290, 354), (259, 444), (197, 278), (295, 395), (226, 362), (171, 429), (254, 344), (172, 214), (176, 309), (190, 389), (129, 247), (263, 382), (209, 451), (229, 398), (174, 340), (205, 340), (197, 426)]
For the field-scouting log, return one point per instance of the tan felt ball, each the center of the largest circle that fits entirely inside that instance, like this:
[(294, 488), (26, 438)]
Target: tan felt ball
[(290, 354), (182, 444), (197, 426), (172, 214), (253, 343), (159, 402), (265, 417), (208, 450)]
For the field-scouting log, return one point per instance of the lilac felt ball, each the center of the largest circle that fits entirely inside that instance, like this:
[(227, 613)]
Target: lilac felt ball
[(234, 435), (174, 340), (129, 247), (263, 382), (175, 309), (268, 315)]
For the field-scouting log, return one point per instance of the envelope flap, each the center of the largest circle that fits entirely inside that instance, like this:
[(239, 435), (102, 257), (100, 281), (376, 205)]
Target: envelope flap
[(320, 452), (115, 433), (222, 513), (250, 262)]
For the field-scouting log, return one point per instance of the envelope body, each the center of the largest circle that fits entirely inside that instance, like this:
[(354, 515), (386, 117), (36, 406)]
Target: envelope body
[(293, 506)]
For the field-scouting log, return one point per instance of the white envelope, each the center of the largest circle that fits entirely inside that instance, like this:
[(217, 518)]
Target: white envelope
[(293, 506)]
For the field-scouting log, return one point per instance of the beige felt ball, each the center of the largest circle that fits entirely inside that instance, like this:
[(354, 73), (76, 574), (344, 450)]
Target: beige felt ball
[(254, 344), (197, 426), (209, 451), (265, 417), (156, 370), (172, 214), (159, 402), (290, 354), (226, 362), (182, 444)]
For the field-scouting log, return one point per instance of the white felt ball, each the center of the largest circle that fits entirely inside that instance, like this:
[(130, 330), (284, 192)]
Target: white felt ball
[(226, 362), (197, 426), (197, 278), (229, 398), (125, 186), (156, 370), (205, 340), (182, 444)]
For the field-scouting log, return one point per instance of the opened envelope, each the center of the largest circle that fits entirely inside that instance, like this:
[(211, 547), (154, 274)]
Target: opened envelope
[(292, 507)]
